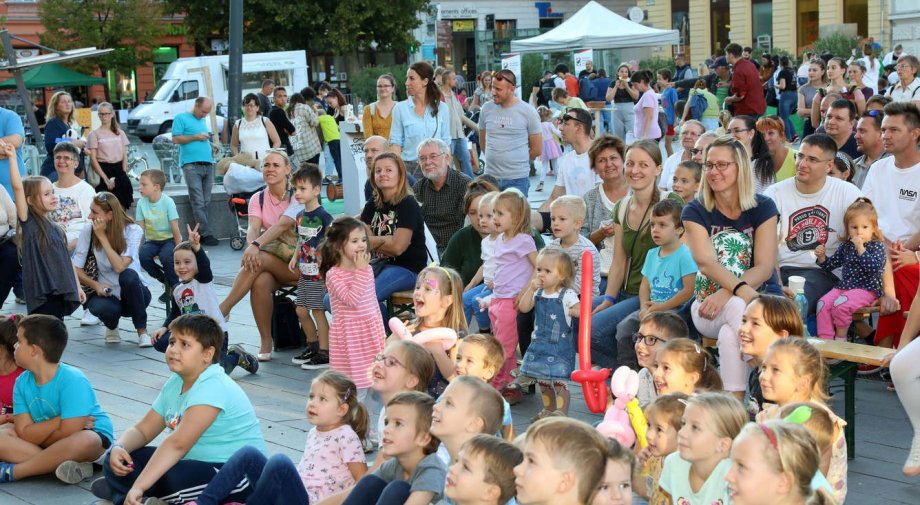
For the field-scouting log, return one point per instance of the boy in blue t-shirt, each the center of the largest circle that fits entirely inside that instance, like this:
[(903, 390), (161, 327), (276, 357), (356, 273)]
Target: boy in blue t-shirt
[(59, 425), (156, 213), (311, 221), (668, 276)]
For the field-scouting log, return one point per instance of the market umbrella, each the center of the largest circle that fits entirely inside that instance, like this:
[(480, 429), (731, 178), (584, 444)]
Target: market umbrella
[(52, 76)]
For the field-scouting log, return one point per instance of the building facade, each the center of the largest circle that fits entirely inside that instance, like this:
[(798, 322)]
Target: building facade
[(905, 25), (125, 89), (707, 26), (470, 36)]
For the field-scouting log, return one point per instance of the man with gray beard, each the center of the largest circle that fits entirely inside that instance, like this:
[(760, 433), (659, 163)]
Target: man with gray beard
[(440, 192)]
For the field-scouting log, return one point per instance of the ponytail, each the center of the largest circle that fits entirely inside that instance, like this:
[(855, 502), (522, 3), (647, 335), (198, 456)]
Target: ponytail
[(432, 91)]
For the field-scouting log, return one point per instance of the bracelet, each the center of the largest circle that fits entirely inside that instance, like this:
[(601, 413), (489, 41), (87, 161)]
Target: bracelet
[(256, 243), (737, 287), (610, 299)]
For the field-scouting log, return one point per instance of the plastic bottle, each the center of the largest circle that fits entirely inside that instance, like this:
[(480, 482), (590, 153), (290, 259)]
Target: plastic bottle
[(797, 285)]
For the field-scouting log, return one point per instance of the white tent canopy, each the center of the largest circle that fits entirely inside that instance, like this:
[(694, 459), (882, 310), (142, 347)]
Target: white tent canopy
[(596, 27)]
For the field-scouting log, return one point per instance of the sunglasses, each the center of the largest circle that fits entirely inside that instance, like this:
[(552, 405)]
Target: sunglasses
[(505, 77), (568, 118)]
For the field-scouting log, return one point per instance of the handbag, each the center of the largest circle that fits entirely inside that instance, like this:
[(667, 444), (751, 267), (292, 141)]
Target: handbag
[(286, 332), (91, 269), (284, 246)]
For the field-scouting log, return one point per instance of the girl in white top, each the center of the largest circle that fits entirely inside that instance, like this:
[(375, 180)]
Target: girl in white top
[(253, 133)]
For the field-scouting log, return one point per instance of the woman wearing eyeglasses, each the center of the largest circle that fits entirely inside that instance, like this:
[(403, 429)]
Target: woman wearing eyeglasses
[(253, 133), (744, 129), (377, 118), (646, 109), (108, 155), (74, 194), (61, 126), (421, 116), (118, 289), (731, 232)]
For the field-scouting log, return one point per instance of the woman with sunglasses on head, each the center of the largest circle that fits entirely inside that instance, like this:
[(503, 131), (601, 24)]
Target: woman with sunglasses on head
[(421, 116), (646, 109), (108, 153), (731, 232), (118, 289)]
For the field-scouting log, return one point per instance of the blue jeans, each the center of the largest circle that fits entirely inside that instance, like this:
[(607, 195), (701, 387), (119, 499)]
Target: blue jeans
[(604, 328), (787, 101), (390, 280), (164, 250), (182, 482), (335, 150), (274, 480), (372, 490), (460, 149), (606, 121), (522, 184), (135, 297), (471, 306), (199, 177)]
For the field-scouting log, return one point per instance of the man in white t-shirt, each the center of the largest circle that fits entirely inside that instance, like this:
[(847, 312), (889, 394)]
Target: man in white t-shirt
[(893, 185), (689, 132), (811, 207), (575, 176)]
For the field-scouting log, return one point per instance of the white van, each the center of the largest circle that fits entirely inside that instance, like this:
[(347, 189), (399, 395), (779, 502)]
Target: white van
[(183, 82)]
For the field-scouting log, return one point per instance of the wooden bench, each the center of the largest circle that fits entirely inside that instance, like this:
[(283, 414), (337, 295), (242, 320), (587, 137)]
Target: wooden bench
[(401, 305)]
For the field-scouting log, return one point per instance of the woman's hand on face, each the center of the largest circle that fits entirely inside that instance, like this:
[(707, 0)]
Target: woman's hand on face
[(120, 461), (714, 303), (99, 227)]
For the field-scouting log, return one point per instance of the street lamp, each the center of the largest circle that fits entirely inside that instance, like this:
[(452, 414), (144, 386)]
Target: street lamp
[(373, 45)]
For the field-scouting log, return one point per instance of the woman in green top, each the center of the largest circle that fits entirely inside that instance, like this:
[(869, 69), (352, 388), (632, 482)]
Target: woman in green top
[(632, 226), (463, 249)]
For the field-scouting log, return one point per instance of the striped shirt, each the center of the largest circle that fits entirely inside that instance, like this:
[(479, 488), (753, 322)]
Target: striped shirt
[(356, 333), (575, 251)]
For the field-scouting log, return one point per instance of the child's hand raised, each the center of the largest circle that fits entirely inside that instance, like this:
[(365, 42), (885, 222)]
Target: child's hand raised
[(8, 150), (821, 253), (194, 238), (362, 260)]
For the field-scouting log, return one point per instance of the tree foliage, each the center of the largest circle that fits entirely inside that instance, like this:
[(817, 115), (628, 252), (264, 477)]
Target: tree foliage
[(836, 44), (131, 27), (321, 26)]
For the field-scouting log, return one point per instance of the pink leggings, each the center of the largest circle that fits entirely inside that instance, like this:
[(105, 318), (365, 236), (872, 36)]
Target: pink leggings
[(503, 314), (836, 308)]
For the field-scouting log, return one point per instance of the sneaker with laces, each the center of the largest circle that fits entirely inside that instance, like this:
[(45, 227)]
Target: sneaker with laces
[(144, 340), (307, 353), (319, 360), (89, 319), (73, 472), (246, 361), (112, 335)]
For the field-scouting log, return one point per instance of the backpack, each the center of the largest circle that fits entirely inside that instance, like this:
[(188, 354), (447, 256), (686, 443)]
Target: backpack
[(546, 90), (585, 89), (698, 105)]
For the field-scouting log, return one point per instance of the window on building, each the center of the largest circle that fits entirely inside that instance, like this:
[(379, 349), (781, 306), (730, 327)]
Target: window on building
[(762, 23), (807, 26), (857, 12), (550, 23)]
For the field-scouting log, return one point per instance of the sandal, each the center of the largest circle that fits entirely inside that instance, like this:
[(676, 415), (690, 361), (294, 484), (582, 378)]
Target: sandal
[(543, 414), (265, 356)]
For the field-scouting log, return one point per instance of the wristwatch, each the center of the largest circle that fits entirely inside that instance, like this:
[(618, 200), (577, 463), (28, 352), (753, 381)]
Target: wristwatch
[(256, 243)]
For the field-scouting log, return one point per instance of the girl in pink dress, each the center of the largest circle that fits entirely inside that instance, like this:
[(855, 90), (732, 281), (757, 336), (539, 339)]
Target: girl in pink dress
[(356, 333), (551, 149)]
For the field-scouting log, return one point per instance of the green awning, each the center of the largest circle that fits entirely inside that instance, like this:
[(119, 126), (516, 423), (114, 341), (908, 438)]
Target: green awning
[(52, 76)]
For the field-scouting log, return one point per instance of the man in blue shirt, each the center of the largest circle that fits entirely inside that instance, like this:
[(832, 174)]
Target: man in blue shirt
[(11, 132), (196, 157)]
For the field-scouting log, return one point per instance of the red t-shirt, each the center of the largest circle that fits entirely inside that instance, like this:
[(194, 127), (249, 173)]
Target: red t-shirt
[(571, 85), (746, 84), (6, 389)]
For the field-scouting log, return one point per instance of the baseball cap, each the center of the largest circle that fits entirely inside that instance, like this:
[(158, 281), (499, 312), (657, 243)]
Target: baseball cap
[(720, 62)]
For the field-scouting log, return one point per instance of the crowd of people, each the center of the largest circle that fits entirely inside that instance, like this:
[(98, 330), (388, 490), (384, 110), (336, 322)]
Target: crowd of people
[(701, 241)]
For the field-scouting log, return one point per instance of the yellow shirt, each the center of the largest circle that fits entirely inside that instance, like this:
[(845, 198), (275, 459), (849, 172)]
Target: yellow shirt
[(787, 170), (375, 124)]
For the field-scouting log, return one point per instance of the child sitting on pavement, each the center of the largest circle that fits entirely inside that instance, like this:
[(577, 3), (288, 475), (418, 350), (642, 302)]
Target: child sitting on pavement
[(9, 370), (468, 406), (156, 213), (483, 473), (58, 424)]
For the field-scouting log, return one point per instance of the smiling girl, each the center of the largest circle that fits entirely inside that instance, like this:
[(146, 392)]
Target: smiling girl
[(682, 366)]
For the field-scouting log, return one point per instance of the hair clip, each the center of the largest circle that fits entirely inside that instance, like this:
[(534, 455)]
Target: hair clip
[(800, 415), (347, 395)]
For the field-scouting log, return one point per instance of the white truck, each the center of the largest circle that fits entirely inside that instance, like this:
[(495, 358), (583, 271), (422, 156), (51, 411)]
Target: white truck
[(184, 81)]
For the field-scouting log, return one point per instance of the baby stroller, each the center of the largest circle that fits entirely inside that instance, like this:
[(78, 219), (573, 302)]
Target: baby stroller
[(239, 207)]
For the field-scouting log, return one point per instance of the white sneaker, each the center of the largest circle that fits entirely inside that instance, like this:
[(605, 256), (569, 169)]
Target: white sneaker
[(144, 340), (73, 472), (89, 319), (112, 336)]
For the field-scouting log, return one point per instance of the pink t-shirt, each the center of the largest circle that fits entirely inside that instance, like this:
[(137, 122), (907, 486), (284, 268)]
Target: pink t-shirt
[(648, 100), (267, 208), (512, 267), (324, 465), (6, 389), (110, 148)]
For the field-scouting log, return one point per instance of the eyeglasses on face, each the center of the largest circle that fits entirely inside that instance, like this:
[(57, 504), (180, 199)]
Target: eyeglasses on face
[(568, 118), (695, 151), (811, 160), (64, 158), (721, 166), (388, 361), (649, 340)]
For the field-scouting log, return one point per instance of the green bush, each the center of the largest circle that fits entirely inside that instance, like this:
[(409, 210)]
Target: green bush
[(364, 82), (656, 63), (837, 44)]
